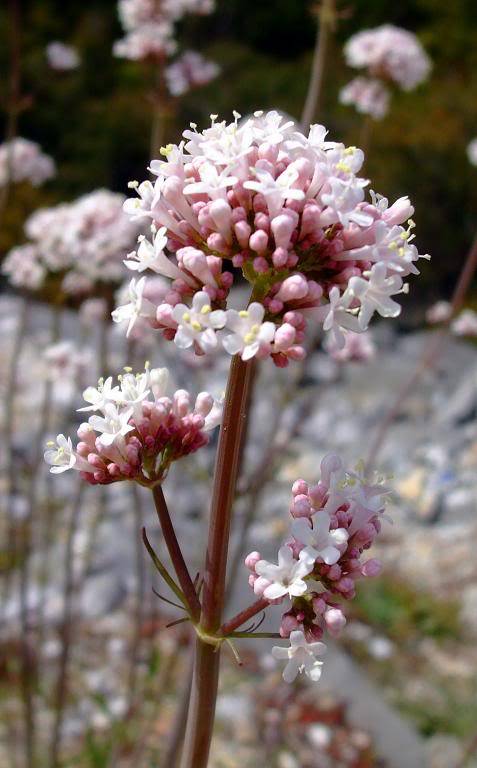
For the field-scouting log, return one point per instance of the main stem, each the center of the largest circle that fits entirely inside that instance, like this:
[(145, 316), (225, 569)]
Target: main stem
[(326, 21), (207, 657)]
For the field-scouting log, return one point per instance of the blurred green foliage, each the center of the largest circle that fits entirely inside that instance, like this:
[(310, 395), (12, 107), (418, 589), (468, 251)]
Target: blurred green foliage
[(96, 120), (405, 613)]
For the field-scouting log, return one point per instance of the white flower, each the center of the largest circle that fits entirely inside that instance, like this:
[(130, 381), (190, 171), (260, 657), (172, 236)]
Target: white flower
[(343, 198), (138, 306), (249, 332), (335, 317), (62, 457), (211, 182), (151, 256), (287, 577), (319, 540), (375, 293), (99, 396), (276, 191), (301, 657), (197, 324), (134, 389), (114, 424)]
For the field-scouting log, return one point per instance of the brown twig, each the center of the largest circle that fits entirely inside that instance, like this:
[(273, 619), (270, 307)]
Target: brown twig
[(326, 24)]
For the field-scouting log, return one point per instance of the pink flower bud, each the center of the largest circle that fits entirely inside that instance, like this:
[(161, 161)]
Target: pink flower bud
[(279, 257), (371, 567), (242, 231), (300, 506), (282, 228), (284, 337), (204, 403), (335, 621), (252, 559), (300, 487), (293, 288), (258, 241), (260, 265), (260, 586), (288, 624)]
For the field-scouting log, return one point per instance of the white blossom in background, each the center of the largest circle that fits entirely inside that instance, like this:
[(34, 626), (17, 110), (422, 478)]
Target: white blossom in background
[(149, 26), (287, 209), (23, 160), (358, 347), (369, 96), (472, 151), (66, 361), (83, 242), (190, 70), (61, 56), (465, 324), (391, 54), (439, 312)]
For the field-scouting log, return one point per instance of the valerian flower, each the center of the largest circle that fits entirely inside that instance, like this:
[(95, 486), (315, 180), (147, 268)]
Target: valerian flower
[(334, 523), (287, 209), (300, 657), (138, 432)]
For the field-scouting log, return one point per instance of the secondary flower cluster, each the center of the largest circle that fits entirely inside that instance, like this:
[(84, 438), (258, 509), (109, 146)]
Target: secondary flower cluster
[(390, 55), (149, 26), (139, 433), (190, 70), (23, 160), (84, 242), (334, 523), (61, 56), (286, 209)]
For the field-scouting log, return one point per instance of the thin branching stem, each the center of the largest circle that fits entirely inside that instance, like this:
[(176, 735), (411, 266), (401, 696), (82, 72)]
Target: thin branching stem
[(326, 23)]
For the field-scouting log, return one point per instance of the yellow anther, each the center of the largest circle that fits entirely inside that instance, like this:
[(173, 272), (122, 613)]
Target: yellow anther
[(206, 309), (165, 151), (249, 337), (342, 166), (196, 325), (255, 328), (393, 245), (186, 317), (127, 368), (350, 150), (243, 313), (50, 444)]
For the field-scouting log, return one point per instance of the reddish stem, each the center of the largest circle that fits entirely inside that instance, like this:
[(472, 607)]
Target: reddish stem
[(206, 669), (243, 616), (175, 552)]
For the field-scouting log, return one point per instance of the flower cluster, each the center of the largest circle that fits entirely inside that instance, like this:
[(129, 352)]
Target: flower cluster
[(23, 160), (368, 95), (190, 70), (83, 242), (149, 26), (334, 523), (389, 54), (439, 312), (64, 361), (472, 151), (286, 209), (62, 57), (138, 432)]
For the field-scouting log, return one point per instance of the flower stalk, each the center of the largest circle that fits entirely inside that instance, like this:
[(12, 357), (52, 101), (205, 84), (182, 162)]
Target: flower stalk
[(207, 657), (326, 24)]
